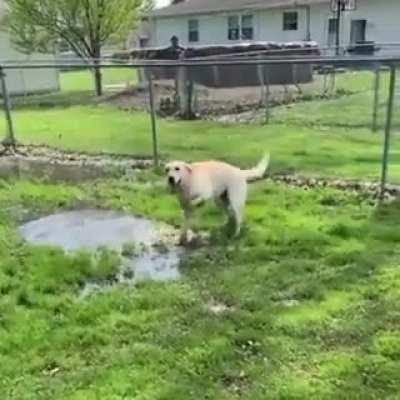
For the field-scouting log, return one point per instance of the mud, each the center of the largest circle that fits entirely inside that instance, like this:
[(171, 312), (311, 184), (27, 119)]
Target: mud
[(11, 167), (40, 162)]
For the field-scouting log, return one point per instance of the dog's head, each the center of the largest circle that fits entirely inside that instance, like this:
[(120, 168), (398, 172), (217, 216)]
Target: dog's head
[(177, 172)]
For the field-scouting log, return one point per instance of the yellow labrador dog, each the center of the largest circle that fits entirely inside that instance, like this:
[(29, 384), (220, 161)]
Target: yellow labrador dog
[(201, 181)]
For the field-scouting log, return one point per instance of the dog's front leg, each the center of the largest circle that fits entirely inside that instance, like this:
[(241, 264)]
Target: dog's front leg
[(187, 223)]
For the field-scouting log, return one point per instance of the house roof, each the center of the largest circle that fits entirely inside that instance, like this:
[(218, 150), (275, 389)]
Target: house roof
[(188, 7)]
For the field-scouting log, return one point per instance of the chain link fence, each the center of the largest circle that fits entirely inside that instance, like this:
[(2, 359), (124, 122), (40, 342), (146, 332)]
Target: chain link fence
[(317, 116)]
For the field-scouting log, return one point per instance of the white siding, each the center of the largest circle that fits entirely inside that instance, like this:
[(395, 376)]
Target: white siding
[(27, 81), (382, 21), (213, 29), (271, 26), (382, 25)]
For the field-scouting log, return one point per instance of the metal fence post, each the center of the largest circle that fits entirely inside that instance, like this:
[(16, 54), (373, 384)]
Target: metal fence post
[(267, 102), (153, 121), (333, 81), (324, 70), (376, 100), (264, 90), (189, 99), (388, 127), (9, 140), (294, 77)]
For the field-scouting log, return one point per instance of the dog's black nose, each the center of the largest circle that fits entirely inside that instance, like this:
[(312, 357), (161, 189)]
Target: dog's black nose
[(171, 180)]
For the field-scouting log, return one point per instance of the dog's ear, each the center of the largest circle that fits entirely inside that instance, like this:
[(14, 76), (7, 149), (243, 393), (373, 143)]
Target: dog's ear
[(188, 168)]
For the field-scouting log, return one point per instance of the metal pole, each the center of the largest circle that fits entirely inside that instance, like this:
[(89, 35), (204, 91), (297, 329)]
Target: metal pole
[(339, 9), (153, 121), (376, 100), (9, 140), (267, 107), (388, 127), (333, 81), (189, 99), (317, 60), (324, 81), (264, 90)]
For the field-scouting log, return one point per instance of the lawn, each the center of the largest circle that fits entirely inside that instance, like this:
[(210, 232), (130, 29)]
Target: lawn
[(308, 295), (311, 291), (73, 81), (329, 137), (315, 150)]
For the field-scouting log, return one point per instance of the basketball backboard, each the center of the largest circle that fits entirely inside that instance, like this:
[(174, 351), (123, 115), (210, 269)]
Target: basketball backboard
[(347, 5)]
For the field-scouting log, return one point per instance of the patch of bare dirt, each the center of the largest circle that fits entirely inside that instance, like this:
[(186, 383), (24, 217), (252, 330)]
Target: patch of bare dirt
[(137, 97), (25, 158), (208, 103), (56, 165)]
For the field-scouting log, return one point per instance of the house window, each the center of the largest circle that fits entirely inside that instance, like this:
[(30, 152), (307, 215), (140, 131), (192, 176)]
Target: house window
[(332, 29), (240, 27), (247, 27), (143, 42), (358, 30), (193, 26), (290, 21), (233, 27)]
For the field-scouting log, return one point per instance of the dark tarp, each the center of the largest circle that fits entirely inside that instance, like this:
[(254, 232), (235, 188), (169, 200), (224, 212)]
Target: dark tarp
[(229, 76)]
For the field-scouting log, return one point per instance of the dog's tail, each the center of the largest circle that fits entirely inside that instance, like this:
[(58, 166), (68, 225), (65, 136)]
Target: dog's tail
[(258, 171)]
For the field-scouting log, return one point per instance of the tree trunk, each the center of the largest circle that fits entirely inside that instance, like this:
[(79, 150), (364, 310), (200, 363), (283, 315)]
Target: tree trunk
[(188, 112), (185, 94), (98, 81)]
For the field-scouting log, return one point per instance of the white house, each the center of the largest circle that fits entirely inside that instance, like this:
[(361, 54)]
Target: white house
[(205, 22), (21, 81), (140, 37)]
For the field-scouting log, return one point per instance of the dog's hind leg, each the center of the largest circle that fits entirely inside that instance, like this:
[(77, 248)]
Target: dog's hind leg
[(222, 201), (236, 198)]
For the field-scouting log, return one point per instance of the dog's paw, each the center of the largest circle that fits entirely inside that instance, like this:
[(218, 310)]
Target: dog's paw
[(188, 238), (185, 238), (197, 203), (183, 241)]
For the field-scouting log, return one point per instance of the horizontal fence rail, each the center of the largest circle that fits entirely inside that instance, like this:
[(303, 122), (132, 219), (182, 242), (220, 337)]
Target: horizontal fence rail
[(329, 61)]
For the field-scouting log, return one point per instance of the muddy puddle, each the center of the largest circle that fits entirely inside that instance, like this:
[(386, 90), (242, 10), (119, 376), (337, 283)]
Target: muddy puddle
[(157, 257), (18, 167)]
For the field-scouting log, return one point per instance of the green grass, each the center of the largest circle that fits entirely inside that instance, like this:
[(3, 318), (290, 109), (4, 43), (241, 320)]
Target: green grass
[(329, 137), (318, 150), (78, 81), (312, 286), (313, 289), (350, 112)]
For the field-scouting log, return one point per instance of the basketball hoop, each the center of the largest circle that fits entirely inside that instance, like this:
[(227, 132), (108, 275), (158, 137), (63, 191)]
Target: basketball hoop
[(346, 5)]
